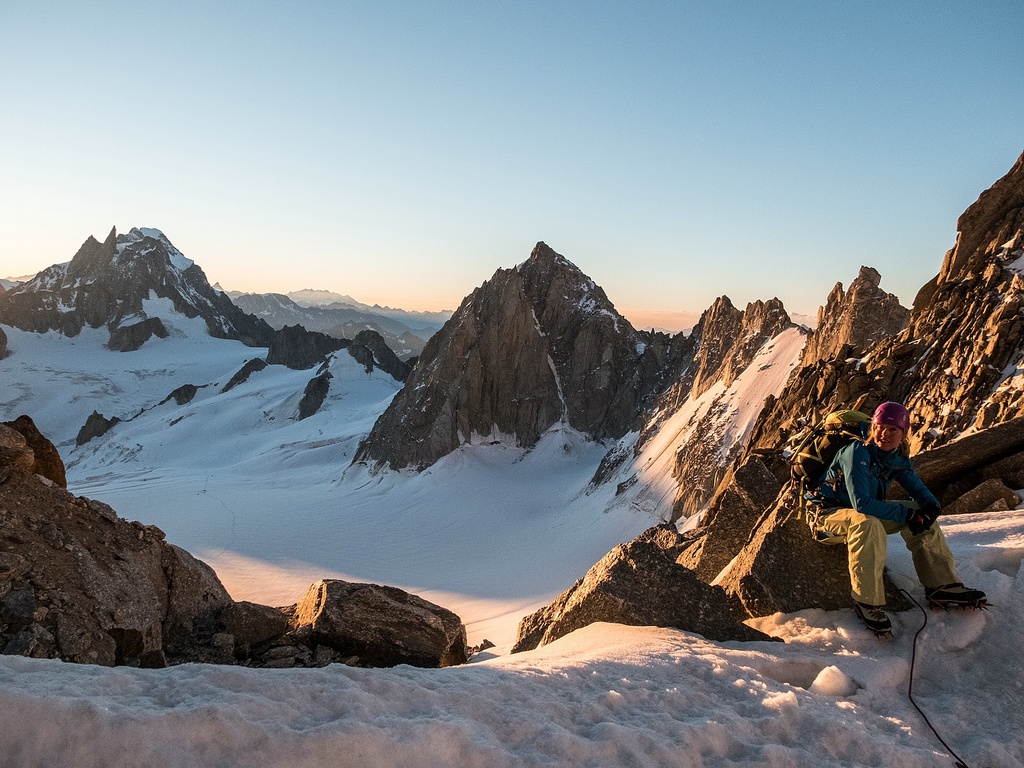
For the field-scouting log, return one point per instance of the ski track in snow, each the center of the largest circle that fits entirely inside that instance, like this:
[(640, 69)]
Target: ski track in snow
[(491, 532)]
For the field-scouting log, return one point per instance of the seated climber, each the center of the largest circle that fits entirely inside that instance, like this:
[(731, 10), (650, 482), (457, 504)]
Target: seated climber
[(854, 511)]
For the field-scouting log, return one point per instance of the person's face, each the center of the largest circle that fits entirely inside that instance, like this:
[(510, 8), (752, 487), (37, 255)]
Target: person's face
[(887, 437)]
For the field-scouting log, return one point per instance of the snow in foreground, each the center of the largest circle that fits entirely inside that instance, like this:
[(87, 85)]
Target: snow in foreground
[(605, 695)]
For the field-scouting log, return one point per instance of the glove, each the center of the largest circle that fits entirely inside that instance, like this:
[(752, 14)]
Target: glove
[(920, 520)]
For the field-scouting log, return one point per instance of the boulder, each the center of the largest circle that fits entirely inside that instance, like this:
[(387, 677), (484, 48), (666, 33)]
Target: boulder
[(15, 452), (782, 569), (641, 584), (744, 495), (47, 461), (982, 498), (82, 585), (382, 626), (251, 624), (962, 462)]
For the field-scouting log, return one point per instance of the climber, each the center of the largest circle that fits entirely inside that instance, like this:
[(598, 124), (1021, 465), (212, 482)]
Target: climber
[(855, 512)]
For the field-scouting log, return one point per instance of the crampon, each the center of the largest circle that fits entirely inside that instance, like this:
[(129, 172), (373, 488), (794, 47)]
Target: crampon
[(956, 597)]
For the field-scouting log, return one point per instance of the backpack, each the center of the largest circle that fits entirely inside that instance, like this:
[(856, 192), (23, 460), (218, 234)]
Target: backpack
[(817, 447)]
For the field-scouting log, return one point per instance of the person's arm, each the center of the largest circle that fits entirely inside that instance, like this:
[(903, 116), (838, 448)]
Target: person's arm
[(855, 462), (915, 488)]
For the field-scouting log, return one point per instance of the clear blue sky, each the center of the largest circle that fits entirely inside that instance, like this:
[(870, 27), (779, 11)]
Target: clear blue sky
[(400, 152)]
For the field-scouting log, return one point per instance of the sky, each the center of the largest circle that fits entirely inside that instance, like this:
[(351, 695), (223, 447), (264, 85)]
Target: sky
[(401, 153)]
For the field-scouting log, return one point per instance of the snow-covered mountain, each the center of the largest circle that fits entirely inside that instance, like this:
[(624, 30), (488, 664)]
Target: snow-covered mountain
[(114, 283)]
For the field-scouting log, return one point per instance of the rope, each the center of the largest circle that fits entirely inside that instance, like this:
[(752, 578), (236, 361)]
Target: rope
[(910, 686)]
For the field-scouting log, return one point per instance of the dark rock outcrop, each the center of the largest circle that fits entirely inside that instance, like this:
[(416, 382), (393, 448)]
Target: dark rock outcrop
[(314, 394), (96, 425), (108, 284), (128, 338), (253, 366), (4, 352), (381, 626), (370, 349), (534, 346), (183, 395), (296, 348), (46, 460), (641, 584), (860, 318)]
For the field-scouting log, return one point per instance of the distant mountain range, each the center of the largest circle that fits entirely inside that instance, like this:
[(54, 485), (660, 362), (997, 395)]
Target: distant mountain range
[(342, 317)]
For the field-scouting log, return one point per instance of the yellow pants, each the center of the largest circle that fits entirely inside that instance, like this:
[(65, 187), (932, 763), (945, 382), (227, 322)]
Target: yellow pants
[(866, 537)]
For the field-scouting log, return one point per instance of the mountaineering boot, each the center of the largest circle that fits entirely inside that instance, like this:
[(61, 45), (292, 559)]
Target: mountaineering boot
[(874, 618), (956, 596)]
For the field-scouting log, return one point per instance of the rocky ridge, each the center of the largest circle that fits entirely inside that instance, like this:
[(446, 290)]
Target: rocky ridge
[(339, 322), (858, 318), (957, 363)]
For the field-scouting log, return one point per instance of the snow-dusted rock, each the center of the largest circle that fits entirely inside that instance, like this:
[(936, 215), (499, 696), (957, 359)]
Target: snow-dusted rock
[(638, 583)]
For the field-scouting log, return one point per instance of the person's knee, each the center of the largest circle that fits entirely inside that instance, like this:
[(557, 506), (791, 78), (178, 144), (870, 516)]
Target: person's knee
[(866, 524)]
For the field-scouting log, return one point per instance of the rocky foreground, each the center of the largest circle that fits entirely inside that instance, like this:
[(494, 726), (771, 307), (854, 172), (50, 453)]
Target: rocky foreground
[(81, 584)]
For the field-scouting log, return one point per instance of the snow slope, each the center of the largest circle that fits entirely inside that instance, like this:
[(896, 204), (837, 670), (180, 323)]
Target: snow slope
[(491, 532)]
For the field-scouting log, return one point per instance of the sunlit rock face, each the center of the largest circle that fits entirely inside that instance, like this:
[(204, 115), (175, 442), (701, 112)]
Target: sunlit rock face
[(859, 317), (110, 283), (533, 347), (958, 364)]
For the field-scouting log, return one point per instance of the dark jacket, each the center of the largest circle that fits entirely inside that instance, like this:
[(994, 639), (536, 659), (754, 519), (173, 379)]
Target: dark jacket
[(859, 478)]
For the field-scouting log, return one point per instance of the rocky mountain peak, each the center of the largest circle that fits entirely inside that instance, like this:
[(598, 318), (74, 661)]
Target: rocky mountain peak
[(727, 339), (988, 228), (532, 347), (110, 283), (859, 318)]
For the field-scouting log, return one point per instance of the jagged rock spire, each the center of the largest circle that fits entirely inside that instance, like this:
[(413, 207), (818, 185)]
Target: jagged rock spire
[(532, 347)]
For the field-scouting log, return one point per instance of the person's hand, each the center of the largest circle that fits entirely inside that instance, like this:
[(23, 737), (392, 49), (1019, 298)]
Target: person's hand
[(920, 520)]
